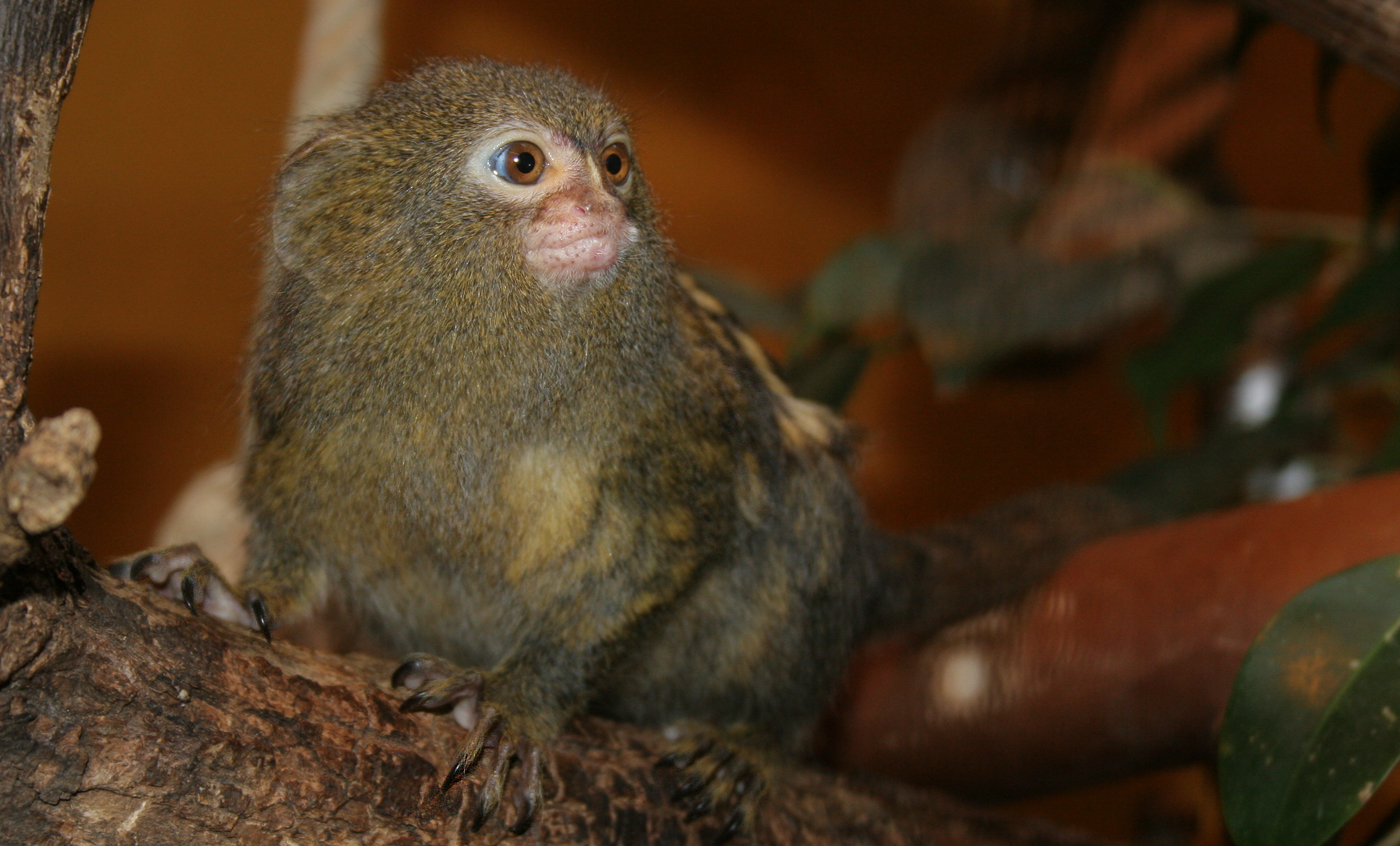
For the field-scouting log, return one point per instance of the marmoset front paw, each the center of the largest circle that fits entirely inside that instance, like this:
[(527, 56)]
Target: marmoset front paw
[(440, 685), (721, 773), (183, 573)]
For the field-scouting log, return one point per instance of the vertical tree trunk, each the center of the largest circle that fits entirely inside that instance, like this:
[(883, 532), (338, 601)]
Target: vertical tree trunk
[(39, 42)]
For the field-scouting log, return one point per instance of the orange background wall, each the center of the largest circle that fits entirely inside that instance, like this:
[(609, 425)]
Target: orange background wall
[(770, 133)]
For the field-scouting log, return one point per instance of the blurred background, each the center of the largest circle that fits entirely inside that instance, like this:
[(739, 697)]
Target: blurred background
[(774, 135)]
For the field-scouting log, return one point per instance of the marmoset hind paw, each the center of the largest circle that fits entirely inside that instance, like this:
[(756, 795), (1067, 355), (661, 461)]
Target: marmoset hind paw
[(721, 773), (440, 685), (183, 573)]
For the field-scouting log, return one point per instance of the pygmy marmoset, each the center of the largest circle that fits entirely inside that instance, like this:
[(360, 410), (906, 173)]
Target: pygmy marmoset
[(489, 415)]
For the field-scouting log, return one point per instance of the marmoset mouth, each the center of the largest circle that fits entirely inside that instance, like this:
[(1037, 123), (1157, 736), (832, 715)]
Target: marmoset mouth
[(578, 248), (581, 255)]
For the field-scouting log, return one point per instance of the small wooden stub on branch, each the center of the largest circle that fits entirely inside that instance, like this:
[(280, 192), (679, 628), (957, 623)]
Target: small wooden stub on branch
[(128, 721), (46, 479)]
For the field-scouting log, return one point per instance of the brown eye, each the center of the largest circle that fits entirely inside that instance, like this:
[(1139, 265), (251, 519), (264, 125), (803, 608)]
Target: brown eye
[(520, 162), (617, 163)]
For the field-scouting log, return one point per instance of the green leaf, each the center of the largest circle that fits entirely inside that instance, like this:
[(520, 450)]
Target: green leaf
[(1373, 292), (1212, 323), (831, 376), (1211, 474), (1387, 457), (971, 305), (1313, 723), (1383, 167), (858, 283)]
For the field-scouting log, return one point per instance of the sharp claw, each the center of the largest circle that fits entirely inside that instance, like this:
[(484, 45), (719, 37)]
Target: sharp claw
[(524, 812), (416, 702), (682, 760), (406, 669), (258, 606), (527, 794), (700, 751), (431, 700), (745, 782), (489, 797), (458, 772), (140, 565), (731, 827), (120, 569), (526, 815), (699, 809), (478, 812), (187, 593), (692, 785)]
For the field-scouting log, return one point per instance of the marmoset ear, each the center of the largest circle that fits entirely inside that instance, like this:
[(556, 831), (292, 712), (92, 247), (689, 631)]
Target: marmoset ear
[(298, 199)]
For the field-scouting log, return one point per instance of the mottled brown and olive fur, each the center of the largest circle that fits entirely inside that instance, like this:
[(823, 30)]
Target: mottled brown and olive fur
[(599, 495)]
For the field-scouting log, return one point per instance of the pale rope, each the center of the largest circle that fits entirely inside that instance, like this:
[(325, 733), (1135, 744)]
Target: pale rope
[(342, 47)]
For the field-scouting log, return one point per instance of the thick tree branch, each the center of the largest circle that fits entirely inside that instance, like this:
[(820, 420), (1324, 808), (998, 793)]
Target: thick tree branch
[(126, 720)]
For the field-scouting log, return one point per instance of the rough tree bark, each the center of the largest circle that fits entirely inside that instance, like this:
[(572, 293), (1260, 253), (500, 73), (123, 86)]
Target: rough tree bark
[(39, 41), (1365, 31), (127, 721)]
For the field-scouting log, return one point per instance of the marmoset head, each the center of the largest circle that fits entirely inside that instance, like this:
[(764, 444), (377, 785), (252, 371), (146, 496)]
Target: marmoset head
[(464, 173)]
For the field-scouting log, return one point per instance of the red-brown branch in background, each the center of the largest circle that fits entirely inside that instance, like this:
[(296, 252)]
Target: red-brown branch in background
[(1120, 661)]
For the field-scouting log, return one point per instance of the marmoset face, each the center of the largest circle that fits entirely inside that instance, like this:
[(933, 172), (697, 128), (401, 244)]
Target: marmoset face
[(576, 192)]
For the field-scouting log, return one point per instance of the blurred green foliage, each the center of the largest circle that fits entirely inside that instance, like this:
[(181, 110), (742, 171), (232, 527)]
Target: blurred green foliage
[(1213, 321)]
